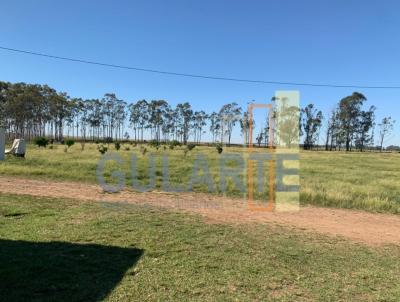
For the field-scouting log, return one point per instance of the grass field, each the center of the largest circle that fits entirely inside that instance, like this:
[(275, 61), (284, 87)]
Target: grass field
[(366, 181), (64, 250)]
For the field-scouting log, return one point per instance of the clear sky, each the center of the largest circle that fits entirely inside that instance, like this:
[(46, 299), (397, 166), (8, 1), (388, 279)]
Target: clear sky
[(338, 42)]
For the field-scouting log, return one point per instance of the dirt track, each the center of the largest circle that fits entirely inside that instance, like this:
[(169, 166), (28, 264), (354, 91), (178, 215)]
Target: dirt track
[(368, 228)]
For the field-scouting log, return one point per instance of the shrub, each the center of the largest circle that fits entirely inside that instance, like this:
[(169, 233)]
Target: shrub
[(41, 141), (117, 146), (185, 151), (143, 150), (82, 145), (219, 148), (102, 149), (154, 143), (127, 148), (108, 140), (174, 143), (190, 147), (69, 143)]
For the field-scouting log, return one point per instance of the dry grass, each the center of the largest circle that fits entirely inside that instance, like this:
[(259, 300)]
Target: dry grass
[(336, 179)]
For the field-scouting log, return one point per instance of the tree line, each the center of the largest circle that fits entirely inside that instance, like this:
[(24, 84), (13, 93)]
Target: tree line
[(32, 110)]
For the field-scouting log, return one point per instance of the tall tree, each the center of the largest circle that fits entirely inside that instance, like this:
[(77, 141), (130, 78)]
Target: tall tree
[(286, 126), (385, 128), (199, 121), (215, 125), (349, 112), (157, 111), (229, 115), (245, 125), (311, 121), (139, 117), (365, 126), (185, 114)]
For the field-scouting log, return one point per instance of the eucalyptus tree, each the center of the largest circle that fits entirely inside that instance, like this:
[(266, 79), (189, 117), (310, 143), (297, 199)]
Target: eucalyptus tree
[(229, 116), (120, 117), (311, 121), (185, 114), (157, 109), (385, 128), (20, 110), (95, 117), (331, 130), (260, 137), (199, 121), (139, 117), (288, 125), (83, 121), (109, 103), (245, 125), (74, 120), (4, 88), (268, 128), (62, 109), (168, 125), (215, 125), (28, 110), (349, 112), (364, 134)]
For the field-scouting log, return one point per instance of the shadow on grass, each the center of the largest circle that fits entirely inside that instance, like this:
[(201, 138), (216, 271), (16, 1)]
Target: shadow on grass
[(61, 271)]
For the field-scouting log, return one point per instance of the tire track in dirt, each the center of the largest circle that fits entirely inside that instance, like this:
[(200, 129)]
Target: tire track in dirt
[(368, 228)]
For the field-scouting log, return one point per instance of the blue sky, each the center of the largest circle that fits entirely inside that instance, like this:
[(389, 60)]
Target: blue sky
[(338, 42)]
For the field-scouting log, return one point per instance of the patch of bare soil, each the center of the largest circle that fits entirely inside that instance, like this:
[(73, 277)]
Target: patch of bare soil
[(368, 228)]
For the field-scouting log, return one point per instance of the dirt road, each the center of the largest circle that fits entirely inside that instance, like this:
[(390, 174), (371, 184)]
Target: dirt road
[(368, 228)]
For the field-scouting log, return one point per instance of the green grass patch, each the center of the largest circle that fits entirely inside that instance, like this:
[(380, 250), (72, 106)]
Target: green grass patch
[(65, 250), (366, 181)]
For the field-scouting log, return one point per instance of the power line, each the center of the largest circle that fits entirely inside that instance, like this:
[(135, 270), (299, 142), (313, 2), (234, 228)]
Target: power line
[(194, 75)]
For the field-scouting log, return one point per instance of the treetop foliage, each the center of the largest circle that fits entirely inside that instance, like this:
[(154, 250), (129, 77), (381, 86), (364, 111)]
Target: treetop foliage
[(32, 110)]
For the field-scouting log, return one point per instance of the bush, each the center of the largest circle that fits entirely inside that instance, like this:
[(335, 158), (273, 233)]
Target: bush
[(190, 147), (117, 146), (69, 142), (219, 148), (108, 140), (127, 148), (41, 141), (174, 143), (82, 145), (154, 143), (102, 149), (143, 150)]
